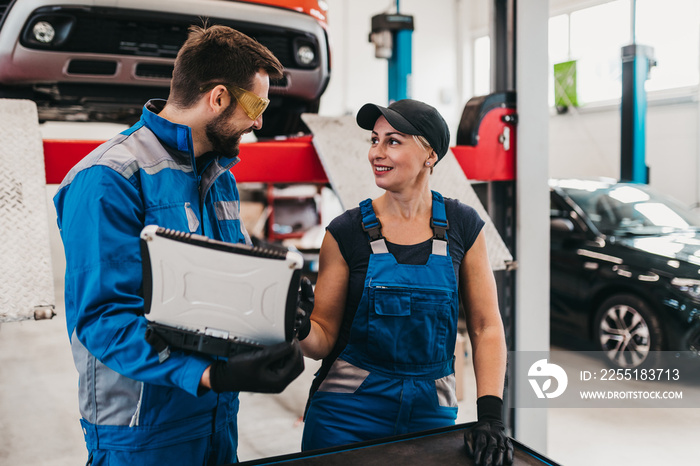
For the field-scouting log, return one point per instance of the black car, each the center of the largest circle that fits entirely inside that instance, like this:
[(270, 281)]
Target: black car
[(625, 270)]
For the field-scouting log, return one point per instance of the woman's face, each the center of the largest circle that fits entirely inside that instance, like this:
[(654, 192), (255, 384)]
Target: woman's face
[(397, 159)]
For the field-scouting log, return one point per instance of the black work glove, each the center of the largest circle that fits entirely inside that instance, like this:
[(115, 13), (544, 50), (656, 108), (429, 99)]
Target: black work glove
[(267, 370), (487, 441), (305, 305)]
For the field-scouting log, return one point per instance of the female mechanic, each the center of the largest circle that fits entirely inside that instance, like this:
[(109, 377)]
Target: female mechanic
[(391, 276)]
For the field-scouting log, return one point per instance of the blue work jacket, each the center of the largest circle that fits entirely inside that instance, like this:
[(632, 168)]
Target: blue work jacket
[(146, 175)]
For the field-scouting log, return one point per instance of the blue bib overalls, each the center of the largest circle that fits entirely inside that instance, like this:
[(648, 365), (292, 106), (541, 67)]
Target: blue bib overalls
[(396, 374)]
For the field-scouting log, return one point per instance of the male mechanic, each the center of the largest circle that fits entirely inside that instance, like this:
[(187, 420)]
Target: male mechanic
[(170, 169)]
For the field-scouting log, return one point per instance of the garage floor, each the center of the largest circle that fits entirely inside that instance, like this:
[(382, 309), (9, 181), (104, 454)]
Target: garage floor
[(39, 414), (39, 411)]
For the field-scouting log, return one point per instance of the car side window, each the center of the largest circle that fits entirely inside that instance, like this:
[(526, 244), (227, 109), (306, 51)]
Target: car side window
[(561, 220), (557, 209), (605, 213)]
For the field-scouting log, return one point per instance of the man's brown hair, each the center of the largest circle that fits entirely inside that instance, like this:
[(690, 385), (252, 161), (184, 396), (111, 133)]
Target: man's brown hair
[(218, 54)]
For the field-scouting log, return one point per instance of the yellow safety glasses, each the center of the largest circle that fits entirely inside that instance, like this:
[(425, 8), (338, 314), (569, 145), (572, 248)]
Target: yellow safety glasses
[(252, 104)]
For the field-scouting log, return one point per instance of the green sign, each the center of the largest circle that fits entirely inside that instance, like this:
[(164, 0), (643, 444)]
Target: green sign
[(565, 84)]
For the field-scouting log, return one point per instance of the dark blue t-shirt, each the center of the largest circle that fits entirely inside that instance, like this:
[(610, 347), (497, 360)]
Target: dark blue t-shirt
[(464, 226)]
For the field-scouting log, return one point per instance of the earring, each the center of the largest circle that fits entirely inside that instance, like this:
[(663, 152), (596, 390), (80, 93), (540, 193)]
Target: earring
[(427, 164)]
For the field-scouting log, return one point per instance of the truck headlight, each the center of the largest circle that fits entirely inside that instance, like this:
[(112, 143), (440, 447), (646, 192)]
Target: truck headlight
[(305, 52), (306, 55), (47, 31), (44, 32)]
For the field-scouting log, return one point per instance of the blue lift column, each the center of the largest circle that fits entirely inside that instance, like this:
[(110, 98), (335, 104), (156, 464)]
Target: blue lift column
[(637, 61), (392, 36)]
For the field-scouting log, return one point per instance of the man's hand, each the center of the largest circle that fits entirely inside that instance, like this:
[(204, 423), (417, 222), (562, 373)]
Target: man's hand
[(267, 370), (305, 306), (487, 441)]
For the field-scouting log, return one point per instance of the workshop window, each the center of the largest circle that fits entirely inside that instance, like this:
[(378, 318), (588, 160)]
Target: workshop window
[(593, 37), (672, 28), (558, 49), (597, 35)]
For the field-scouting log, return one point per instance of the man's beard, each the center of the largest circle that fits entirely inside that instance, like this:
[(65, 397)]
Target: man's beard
[(219, 133)]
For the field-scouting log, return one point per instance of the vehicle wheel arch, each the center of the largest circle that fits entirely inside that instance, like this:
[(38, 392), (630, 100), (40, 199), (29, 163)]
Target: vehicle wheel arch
[(606, 293), (624, 338)]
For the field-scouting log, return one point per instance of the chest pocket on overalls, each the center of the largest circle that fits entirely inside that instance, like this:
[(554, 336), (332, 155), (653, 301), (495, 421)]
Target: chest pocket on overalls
[(408, 326)]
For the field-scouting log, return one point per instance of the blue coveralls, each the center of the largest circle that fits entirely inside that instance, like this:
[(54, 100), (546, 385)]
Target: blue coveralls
[(136, 410), (396, 374)]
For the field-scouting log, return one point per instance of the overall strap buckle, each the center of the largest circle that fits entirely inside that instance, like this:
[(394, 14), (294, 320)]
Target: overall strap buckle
[(438, 221), (440, 228), (439, 224), (376, 240), (374, 231), (373, 227)]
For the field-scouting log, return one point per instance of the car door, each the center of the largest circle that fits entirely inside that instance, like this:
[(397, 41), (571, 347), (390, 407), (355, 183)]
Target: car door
[(571, 272)]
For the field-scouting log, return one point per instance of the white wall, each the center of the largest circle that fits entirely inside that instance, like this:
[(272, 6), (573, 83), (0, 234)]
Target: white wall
[(587, 144), (672, 150), (357, 77)]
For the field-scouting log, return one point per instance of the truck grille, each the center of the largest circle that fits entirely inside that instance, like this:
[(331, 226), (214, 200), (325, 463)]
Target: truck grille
[(4, 6), (122, 32), (92, 67), (149, 70)]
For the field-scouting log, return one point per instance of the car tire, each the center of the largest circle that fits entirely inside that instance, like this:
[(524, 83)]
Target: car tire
[(628, 332)]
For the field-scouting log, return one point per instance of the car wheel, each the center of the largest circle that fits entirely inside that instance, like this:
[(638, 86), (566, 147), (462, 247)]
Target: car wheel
[(628, 332)]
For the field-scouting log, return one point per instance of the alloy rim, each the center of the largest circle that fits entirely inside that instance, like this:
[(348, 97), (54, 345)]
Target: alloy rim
[(624, 336)]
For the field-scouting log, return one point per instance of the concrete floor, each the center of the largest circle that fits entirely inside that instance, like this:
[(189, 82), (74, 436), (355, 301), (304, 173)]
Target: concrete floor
[(39, 410), (39, 414)]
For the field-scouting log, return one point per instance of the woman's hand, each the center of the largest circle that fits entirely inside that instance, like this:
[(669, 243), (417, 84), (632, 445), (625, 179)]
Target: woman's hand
[(329, 300)]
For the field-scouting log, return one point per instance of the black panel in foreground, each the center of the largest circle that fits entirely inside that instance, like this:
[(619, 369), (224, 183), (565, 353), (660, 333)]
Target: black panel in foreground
[(432, 447)]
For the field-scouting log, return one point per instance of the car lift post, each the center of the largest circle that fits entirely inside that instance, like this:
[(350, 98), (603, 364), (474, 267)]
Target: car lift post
[(521, 206), (392, 36), (502, 198), (637, 61)]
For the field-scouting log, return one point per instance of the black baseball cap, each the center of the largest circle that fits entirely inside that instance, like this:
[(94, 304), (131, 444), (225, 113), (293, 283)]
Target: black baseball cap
[(410, 117)]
